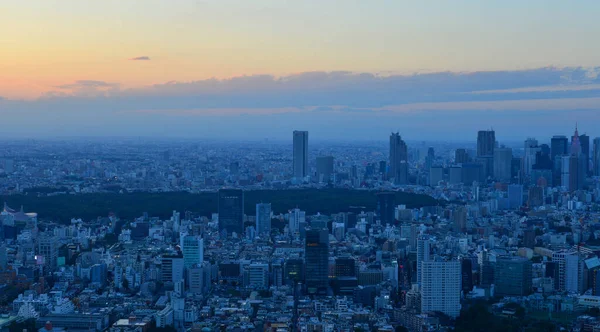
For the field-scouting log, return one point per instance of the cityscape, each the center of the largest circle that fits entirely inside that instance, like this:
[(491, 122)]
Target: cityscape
[(434, 230), (299, 166)]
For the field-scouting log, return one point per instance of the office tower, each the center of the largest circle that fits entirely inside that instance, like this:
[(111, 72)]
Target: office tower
[(48, 249), (256, 276), (513, 276), (471, 172), (466, 270), (263, 219), (459, 216), (300, 157), (423, 255), (455, 174), (536, 196), (316, 252), (383, 167), (559, 146), (277, 274), (584, 144), (398, 159), (297, 218), (574, 275), (172, 268), (385, 207), (195, 279), (193, 250), (461, 156), (440, 287), (515, 196), (324, 168), (231, 210), (294, 271), (486, 143), (596, 156), (570, 172), (502, 164), (345, 267), (430, 158), (531, 149), (436, 174)]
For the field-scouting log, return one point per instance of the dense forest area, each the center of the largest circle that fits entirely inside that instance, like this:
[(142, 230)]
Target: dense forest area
[(130, 205)]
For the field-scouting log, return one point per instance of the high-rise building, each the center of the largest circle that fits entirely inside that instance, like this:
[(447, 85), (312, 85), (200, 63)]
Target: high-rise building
[(231, 210), (515, 196), (440, 287), (398, 159), (48, 249), (570, 172), (531, 149), (461, 156), (584, 143), (324, 168), (513, 276), (256, 276), (466, 269), (193, 250), (596, 156), (502, 164), (294, 270), (385, 207), (436, 174), (423, 255), (316, 254), (559, 146), (263, 218), (345, 267), (297, 218), (300, 151), (459, 216), (172, 267), (486, 143)]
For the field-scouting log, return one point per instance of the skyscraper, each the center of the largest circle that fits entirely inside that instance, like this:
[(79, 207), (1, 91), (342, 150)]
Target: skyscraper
[(423, 255), (300, 151), (486, 143), (324, 168), (502, 164), (461, 156), (584, 143), (398, 159), (559, 146), (231, 210), (531, 149), (193, 250), (316, 253), (440, 287), (263, 218), (596, 156), (385, 207)]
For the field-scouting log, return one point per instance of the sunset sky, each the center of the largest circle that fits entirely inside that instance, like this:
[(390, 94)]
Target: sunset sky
[(65, 55)]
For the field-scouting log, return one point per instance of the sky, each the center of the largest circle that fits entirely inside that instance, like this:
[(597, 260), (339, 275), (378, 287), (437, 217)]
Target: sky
[(433, 70)]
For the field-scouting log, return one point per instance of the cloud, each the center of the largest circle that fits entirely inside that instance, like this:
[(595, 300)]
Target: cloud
[(350, 100), (87, 84), (140, 58)]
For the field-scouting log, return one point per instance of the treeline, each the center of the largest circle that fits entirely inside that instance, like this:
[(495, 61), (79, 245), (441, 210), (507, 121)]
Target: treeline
[(62, 208)]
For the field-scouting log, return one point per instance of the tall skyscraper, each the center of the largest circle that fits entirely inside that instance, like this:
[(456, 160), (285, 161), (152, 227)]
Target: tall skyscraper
[(440, 287), (324, 168), (515, 196), (297, 218), (231, 210), (584, 143), (316, 252), (263, 218), (398, 159), (531, 149), (423, 255), (385, 207), (596, 156), (300, 151), (461, 156), (502, 164), (559, 146), (486, 143), (48, 249), (193, 250)]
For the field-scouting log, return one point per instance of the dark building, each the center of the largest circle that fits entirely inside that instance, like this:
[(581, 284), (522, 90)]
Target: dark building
[(472, 172), (559, 146), (345, 267), (317, 261), (461, 156), (385, 207), (529, 238), (231, 210), (324, 168), (382, 167), (536, 196), (513, 276), (300, 154), (486, 142), (398, 159), (466, 268), (584, 143), (294, 271)]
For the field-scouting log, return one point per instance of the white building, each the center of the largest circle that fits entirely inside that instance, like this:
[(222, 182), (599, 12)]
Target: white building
[(440, 287)]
